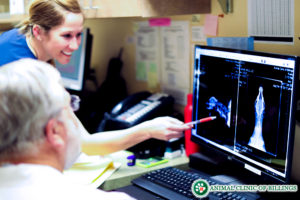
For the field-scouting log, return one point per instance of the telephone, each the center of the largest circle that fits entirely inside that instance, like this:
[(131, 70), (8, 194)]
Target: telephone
[(135, 109)]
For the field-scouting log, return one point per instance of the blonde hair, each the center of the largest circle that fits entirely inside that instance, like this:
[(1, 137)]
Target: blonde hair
[(48, 14)]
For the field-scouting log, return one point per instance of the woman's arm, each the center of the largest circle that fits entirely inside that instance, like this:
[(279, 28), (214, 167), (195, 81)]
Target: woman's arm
[(102, 143)]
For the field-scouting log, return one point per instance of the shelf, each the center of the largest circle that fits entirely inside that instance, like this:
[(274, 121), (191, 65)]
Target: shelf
[(8, 21), (128, 8)]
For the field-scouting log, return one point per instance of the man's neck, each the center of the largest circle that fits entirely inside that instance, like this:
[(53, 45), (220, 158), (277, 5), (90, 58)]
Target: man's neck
[(40, 160)]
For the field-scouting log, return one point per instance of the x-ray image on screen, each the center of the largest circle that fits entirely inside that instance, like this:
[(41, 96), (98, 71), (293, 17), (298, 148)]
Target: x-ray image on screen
[(256, 140), (253, 96), (259, 122), (224, 111), (218, 97)]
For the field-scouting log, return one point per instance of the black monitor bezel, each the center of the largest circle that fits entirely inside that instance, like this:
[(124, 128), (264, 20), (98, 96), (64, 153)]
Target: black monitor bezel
[(227, 154)]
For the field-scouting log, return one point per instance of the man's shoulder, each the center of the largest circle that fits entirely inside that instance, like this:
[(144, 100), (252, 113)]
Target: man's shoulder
[(36, 181)]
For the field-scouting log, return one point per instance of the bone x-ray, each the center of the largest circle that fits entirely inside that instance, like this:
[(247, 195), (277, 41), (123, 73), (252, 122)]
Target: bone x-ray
[(248, 99)]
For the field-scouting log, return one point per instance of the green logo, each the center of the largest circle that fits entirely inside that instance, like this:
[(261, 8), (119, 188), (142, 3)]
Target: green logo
[(200, 188)]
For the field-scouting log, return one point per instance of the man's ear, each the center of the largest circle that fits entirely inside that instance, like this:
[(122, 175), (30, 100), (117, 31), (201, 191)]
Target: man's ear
[(37, 32), (55, 133)]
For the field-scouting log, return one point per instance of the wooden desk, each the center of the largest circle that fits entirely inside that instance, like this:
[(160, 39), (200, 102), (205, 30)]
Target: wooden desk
[(125, 174)]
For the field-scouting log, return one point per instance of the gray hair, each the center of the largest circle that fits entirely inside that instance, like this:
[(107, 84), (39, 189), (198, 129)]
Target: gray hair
[(30, 94)]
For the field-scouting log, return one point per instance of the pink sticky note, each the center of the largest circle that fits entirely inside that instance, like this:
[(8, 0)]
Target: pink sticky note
[(211, 25), (160, 22)]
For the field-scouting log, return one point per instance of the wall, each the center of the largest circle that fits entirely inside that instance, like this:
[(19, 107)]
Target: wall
[(112, 34), (109, 36), (235, 24)]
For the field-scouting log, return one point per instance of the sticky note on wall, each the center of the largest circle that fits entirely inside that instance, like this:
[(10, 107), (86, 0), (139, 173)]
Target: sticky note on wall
[(160, 22), (211, 25)]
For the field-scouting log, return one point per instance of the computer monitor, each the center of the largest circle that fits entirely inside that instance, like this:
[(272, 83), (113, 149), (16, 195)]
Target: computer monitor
[(74, 73), (253, 96)]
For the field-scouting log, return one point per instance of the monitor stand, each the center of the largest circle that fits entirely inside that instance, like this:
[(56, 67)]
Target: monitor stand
[(221, 168)]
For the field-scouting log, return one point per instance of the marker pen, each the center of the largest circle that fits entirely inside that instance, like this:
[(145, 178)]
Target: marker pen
[(206, 119)]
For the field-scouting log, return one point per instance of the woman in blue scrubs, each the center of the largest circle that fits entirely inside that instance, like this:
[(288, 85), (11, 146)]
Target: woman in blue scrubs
[(53, 31)]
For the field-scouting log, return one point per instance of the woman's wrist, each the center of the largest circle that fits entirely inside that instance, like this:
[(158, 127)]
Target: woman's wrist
[(143, 130)]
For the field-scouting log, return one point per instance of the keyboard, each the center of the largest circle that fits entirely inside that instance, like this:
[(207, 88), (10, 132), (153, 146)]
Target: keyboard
[(175, 184)]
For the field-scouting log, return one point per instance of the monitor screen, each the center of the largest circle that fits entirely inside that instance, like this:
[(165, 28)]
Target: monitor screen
[(73, 74), (252, 95)]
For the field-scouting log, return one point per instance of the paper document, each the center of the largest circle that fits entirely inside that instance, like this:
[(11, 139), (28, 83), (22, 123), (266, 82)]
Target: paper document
[(198, 34), (147, 54), (175, 60), (91, 170)]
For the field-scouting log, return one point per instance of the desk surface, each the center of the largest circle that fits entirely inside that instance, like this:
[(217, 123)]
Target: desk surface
[(125, 174)]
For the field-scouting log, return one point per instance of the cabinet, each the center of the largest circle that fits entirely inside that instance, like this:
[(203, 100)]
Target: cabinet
[(152, 8), (110, 8), (143, 8), (129, 8)]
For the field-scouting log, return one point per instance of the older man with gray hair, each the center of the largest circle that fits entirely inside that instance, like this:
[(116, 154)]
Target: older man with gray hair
[(39, 135)]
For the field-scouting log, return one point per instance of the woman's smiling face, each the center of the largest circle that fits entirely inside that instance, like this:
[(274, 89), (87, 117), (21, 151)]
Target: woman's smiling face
[(61, 41)]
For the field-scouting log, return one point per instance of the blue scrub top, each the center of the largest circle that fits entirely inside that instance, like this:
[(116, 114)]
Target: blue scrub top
[(13, 46)]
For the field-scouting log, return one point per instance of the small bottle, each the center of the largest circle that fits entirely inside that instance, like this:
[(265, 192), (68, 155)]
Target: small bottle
[(190, 147)]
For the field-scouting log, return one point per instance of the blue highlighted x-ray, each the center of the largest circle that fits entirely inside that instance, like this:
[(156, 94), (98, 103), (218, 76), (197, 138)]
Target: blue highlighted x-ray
[(219, 107), (259, 126), (257, 140)]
